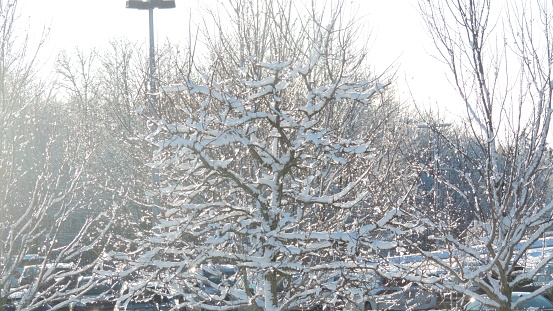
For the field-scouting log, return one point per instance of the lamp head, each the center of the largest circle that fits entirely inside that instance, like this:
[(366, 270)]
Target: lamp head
[(150, 4)]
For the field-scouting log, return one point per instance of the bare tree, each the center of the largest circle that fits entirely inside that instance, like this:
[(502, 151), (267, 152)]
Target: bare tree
[(499, 56), (42, 168)]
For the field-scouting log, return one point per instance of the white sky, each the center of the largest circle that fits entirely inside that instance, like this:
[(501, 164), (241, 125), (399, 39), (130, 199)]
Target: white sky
[(398, 35)]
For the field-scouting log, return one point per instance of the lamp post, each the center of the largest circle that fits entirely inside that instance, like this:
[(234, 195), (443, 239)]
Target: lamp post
[(150, 5)]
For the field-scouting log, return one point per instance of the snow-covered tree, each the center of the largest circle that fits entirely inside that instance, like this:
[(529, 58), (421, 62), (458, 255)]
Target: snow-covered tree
[(499, 56), (268, 165)]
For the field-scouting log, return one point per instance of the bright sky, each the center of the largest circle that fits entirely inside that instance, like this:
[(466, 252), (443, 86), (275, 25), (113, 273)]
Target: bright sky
[(397, 32)]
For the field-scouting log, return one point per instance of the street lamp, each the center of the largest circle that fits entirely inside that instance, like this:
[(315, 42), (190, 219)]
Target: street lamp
[(150, 5)]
